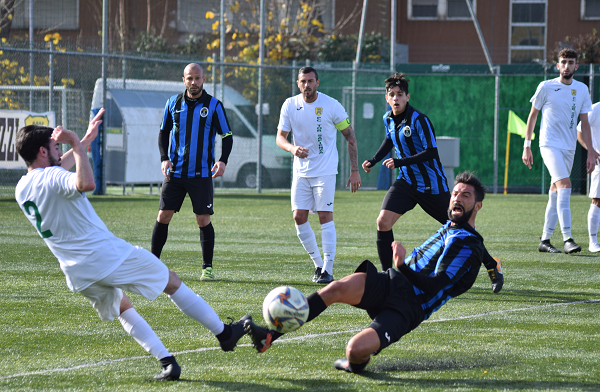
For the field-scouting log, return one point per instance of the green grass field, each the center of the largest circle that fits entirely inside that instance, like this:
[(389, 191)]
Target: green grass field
[(541, 332)]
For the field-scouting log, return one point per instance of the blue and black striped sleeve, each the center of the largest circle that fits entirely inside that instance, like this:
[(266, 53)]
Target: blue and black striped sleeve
[(428, 284), (165, 131)]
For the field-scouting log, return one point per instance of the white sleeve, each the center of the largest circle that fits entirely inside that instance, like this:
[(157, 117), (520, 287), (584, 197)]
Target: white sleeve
[(539, 98), (340, 113), (587, 104), (284, 118)]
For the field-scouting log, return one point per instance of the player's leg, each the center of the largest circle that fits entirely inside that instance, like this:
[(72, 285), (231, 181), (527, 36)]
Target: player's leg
[(171, 198), (359, 351), (194, 306), (594, 212), (144, 335), (302, 201), (348, 290), (397, 201), (110, 302), (593, 221), (201, 195), (323, 189), (559, 164)]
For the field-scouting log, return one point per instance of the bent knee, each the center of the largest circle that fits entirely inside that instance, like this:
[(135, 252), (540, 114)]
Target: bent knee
[(173, 284)]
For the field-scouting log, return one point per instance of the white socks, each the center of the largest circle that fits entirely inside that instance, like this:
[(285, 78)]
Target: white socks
[(551, 217), (328, 239), (141, 331), (194, 306), (308, 240), (564, 211), (593, 221)]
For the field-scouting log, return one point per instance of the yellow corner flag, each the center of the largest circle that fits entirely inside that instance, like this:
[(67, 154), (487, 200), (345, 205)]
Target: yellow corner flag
[(516, 125)]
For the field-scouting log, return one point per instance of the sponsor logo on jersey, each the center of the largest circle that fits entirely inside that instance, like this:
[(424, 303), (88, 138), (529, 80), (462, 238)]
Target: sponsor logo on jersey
[(300, 108), (318, 111), (573, 92), (407, 131), (204, 112), (387, 336)]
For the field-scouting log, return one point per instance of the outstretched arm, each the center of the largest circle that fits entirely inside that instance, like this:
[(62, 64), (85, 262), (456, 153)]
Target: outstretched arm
[(68, 160), (354, 179)]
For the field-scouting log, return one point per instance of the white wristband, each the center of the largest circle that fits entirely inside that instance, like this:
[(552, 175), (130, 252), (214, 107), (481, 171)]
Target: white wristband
[(527, 143)]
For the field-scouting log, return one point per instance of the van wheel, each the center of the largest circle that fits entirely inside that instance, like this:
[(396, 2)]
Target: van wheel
[(247, 177)]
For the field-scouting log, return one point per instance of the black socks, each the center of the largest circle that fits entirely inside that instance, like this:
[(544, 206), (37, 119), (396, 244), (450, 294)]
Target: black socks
[(384, 248)]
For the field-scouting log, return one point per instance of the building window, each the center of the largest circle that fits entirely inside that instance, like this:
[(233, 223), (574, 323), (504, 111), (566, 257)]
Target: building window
[(590, 9), (439, 9), (528, 30), (47, 14)]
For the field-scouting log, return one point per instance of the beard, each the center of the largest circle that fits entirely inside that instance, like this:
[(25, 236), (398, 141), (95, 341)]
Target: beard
[(52, 161), (463, 218), (567, 76), (192, 93)]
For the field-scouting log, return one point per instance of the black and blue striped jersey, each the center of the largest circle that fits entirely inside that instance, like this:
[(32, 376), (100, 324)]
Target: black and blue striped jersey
[(412, 136), (192, 126), (444, 266)]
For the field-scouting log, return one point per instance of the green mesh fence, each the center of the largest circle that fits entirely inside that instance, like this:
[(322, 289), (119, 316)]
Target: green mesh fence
[(459, 99)]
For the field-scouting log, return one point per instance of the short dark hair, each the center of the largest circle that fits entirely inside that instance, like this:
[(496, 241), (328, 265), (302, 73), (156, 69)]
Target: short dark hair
[(397, 80), (568, 54), (30, 139), (469, 178), (307, 70)]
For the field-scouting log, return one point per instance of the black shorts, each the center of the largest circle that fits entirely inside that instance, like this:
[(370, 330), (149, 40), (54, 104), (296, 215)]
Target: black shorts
[(401, 198), (390, 301), (200, 190)]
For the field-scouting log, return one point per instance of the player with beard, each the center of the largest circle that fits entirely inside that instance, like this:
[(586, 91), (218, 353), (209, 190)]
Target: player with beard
[(561, 100), (97, 264), (443, 267), (314, 119), (186, 143)]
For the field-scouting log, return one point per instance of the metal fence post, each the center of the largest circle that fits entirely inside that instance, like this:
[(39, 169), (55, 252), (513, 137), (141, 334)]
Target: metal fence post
[(261, 55), (51, 77), (31, 54), (496, 120)]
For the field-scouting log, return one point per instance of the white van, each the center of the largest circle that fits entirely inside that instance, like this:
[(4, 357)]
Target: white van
[(134, 112)]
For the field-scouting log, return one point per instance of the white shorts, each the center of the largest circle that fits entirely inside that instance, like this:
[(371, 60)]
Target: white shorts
[(559, 162), (595, 183), (141, 273), (313, 193)]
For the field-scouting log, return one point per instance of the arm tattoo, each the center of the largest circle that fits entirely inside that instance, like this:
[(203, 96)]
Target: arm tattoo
[(352, 148)]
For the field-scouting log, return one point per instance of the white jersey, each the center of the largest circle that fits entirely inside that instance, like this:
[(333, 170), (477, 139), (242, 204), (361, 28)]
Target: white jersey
[(313, 125), (594, 119), (86, 250), (560, 105)]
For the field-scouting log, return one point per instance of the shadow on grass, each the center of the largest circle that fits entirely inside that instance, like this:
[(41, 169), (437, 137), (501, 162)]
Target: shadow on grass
[(535, 297)]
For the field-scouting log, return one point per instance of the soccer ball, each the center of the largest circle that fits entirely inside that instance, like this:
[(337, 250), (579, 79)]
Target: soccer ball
[(285, 309)]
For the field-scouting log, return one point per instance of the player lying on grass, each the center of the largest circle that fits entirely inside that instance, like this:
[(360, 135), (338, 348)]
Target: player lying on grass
[(443, 267), (95, 262)]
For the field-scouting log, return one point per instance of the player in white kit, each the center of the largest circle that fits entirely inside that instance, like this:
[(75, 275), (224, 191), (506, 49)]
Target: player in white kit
[(561, 100), (95, 262), (314, 120), (594, 194)]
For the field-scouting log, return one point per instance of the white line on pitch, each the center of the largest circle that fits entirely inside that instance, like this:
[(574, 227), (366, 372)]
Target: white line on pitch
[(303, 337)]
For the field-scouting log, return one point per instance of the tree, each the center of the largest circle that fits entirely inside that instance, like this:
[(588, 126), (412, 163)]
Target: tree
[(588, 47)]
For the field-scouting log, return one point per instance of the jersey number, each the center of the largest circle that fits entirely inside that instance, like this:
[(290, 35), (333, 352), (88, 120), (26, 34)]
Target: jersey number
[(38, 218)]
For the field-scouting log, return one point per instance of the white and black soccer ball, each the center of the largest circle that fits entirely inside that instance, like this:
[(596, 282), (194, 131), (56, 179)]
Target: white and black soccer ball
[(285, 309)]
